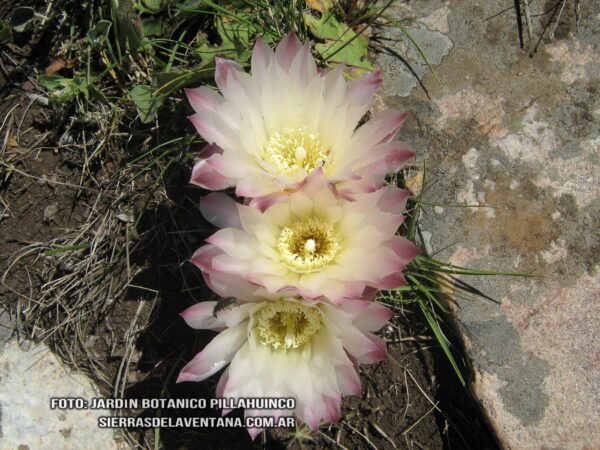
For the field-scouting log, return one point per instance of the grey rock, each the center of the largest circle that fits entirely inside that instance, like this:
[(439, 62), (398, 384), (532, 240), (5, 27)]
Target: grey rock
[(516, 141), (28, 379), (402, 61), (7, 326)]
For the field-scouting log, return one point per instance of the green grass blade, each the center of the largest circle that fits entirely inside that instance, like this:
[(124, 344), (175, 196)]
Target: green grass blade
[(69, 248), (441, 338)]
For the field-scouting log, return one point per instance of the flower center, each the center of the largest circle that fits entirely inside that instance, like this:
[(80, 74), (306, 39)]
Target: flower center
[(307, 245), (295, 148), (287, 324)]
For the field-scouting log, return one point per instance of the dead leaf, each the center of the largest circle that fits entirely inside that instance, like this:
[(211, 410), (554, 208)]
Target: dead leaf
[(126, 217), (50, 212), (16, 49), (320, 5), (414, 182), (59, 64), (12, 142)]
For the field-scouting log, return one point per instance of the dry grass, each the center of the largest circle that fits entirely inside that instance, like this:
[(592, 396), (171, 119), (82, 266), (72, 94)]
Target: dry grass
[(75, 283)]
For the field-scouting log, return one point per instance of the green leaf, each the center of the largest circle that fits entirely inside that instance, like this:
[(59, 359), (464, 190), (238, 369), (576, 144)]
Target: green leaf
[(129, 25), (194, 7), (235, 33), (99, 33), (52, 82), (188, 8), (153, 26), (327, 27), (146, 102), (342, 44), (236, 37), (349, 54), (20, 17), (61, 89), (168, 82), (208, 53), (154, 5)]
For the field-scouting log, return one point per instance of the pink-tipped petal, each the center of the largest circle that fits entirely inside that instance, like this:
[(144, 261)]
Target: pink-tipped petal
[(360, 92), (406, 250), (384, 159), (220, 210), (201, 317), (265, 202), (334, 85), (369, 294), (393, 281), (332, 409), (205, 176), (234, 241), (287, 49), (310, 418), (209, 317), (303, 68), (354, 289), (204, 97), (253, 187), (372, 317), (214, 129), (393, 200), (223, 70), (400, 154), (231, 265), (314, 181), (348, 380), (210, 149), (379, 352), (230, 163), (216, 355), (337, 291), (365, 347), (261, 58), (253, 432), (381, 128), (222, 384), (232, 286), (343, 192), (204, 256)]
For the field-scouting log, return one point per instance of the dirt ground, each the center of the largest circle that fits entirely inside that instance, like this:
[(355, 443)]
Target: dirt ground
[(97, 268)]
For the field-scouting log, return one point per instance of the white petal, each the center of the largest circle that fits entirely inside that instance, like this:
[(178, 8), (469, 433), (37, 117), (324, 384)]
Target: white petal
[(220, 210), (235, 242), (215, 355)]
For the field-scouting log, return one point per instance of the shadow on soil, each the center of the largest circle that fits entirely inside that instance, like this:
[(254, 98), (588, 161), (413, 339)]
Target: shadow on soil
[(169, 236)]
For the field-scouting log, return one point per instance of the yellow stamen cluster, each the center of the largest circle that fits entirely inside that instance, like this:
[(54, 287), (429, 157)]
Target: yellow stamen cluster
[(295, 148), (307, 245), (287, 324)]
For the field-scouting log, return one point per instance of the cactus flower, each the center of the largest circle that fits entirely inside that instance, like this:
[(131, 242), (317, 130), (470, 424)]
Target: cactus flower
[(266, 131), (290, 348), (314, 243)]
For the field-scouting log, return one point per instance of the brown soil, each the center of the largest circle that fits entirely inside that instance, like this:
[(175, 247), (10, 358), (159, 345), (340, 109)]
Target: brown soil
[(136, 343)]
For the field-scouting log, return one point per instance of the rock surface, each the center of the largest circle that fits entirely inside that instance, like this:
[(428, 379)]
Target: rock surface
[(513, 144), (27, 381)]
